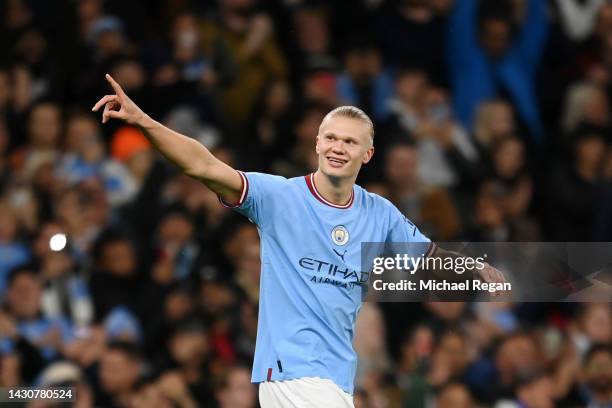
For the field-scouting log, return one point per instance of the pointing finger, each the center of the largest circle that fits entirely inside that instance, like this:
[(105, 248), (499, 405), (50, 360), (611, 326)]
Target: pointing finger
[(104, 100), (115, 85)]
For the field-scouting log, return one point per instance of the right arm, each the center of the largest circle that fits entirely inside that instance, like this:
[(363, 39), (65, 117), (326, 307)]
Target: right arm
[(189, 155)]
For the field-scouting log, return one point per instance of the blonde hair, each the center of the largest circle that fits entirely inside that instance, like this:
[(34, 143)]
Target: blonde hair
[(352, 112), (576, 101)]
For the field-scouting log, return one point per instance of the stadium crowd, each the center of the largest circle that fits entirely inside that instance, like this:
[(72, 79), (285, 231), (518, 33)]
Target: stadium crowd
[(129, 281)]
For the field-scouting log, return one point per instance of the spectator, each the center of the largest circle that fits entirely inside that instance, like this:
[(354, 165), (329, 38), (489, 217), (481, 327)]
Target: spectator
[(244, 40), (365, 83), (598, 376), (12, 251), (486, 59), (420, 24), (574, 188), (454, 395), (429, 207), (24, 321), (234, 389), (118, 375)]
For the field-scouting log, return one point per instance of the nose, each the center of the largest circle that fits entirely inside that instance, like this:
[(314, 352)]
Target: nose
[(338, 147)]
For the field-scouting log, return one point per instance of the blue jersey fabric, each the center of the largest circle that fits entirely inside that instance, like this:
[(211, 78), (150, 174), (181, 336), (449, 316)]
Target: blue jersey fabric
[(311, 281)]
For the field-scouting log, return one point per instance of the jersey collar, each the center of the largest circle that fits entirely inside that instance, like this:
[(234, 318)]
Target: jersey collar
[(310, 182)]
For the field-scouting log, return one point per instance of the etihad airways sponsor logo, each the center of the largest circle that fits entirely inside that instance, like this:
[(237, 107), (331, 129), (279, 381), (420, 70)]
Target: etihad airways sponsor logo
[(334, 274)]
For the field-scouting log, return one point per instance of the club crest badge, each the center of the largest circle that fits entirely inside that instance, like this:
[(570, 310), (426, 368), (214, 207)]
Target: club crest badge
[(340, 235)]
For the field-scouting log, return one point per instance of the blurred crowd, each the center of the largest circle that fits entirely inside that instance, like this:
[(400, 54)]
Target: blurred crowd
[(128, 281)]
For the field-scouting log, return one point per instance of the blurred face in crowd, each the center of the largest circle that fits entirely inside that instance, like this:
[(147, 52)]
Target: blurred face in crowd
[(455, 396), (410, 87), (24, 295), (311, 30), (495, 36), (45, 125), (185, 37), (118, 258), (596, 322), (278, 97), (509, 157), (598, 372), (537, 394), (216, 297), (590, 150), (454, 347), (80, 130), (239, 392), (244, 236), (362, 64), (189, 348), (401, 166), (110, 42), (516, 355), (130, 74), (118, 371), (150, 396), (343, 144), (175, 229), (32, 47), (597, 108), (437, 105), (494, 121)]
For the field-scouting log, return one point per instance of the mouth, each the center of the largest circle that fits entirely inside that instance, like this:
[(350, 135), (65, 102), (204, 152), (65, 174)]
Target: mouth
[(336, 162)]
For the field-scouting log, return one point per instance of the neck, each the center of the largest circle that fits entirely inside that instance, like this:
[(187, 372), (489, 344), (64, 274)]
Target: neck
[(336, 190)]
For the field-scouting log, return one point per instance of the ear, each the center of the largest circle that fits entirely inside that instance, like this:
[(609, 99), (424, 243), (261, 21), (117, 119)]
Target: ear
[(367, 156), (317, 144)]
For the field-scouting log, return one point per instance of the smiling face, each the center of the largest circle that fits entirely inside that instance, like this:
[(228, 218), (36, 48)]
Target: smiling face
[(344, 144)]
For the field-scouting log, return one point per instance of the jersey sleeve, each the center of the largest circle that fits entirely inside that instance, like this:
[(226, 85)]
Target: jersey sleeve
[(403, 231), (258, 191)]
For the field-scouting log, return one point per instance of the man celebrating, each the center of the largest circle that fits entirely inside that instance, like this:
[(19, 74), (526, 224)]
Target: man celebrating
[(311, 229)]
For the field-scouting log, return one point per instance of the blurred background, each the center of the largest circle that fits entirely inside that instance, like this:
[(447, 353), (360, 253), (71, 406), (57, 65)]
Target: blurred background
[(130, 282)]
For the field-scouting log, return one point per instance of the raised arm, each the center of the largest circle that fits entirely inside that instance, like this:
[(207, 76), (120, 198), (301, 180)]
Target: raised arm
[(189, 155)]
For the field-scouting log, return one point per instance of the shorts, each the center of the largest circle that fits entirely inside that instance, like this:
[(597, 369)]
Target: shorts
[(307, 392)]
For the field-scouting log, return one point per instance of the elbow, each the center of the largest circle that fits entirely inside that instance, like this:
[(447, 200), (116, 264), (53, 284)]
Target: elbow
[(197, 171)]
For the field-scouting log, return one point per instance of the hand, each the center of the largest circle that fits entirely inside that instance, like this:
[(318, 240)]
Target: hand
[(174, 387), (489, 274), (8, 327), (118, 106)]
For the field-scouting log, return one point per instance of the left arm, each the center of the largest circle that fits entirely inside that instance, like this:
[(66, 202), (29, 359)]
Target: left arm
[(532, 34), (487, 274)]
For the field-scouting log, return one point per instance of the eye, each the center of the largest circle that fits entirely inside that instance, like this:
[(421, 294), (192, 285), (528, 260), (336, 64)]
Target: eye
[(329, 137)]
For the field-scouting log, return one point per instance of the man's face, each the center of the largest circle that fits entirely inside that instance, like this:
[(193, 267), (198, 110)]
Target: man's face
[(24, 296), (118, 372), (343, 145), (495, 37), (401, 166), (539, 394), (598, 372)]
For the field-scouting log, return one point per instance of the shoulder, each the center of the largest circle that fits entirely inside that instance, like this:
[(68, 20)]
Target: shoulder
[(374, 201), (264, 178)]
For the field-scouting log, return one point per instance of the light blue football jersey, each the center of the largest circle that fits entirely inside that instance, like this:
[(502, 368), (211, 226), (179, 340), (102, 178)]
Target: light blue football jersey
[(311, 281)]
